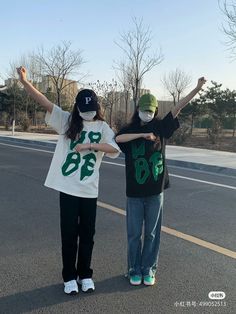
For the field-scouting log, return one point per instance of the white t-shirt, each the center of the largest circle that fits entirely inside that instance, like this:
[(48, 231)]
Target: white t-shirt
[(77, 173)]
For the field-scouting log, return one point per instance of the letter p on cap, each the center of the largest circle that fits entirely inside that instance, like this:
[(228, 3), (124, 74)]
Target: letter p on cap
[(87, 100)]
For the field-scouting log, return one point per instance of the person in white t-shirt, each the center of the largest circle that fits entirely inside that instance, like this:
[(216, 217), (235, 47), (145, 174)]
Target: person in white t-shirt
[(84, 137)]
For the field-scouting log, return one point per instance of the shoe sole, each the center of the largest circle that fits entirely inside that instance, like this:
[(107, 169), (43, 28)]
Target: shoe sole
[(149, 284), (71, 293), (135, 283), (88, 291)]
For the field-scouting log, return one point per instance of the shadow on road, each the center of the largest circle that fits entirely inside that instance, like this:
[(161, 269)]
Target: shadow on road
[(51, 295), (34, 299)]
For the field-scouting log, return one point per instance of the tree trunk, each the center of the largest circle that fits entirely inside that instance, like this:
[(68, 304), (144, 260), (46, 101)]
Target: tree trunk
[(234, 124), (126, 105), (174, 100), (58, 98), (136, 93), (192, 121), (111, 116)]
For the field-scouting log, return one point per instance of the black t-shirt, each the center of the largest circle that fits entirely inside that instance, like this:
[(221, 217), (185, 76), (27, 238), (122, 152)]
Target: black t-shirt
[(146, 171)]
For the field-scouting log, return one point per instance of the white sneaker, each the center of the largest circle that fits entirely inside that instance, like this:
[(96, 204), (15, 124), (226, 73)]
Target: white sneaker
[(71, 287), (87, 285)]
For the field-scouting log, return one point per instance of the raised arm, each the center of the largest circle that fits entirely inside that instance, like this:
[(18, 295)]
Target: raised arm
[(33, 92), (184, 101)]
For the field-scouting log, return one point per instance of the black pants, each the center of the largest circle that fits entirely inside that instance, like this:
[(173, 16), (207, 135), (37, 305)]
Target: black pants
[(78, 216)]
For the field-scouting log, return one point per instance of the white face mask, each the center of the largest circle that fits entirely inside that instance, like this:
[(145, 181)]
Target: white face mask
[(88, 115), (146, 116)]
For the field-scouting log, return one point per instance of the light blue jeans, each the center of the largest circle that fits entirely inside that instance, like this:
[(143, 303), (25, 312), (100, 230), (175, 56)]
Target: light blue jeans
[(144, 212)]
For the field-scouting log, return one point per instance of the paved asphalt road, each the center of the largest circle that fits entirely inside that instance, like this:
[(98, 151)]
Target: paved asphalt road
[(30, 259)]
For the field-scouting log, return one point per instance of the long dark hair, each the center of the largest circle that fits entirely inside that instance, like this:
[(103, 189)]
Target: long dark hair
[(76, 123)]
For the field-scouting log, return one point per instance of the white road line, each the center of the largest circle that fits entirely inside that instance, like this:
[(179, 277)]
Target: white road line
[(195, 170), (167, 230), (202, 171), (112, 163), (203, 181), (29, 148), (185, 178), (122, 165)]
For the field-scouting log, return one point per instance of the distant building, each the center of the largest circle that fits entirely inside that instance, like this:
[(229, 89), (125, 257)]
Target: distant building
[(143, 91), (164, 106), (122, 103), (46, 85), (69, 91), (11, 82)]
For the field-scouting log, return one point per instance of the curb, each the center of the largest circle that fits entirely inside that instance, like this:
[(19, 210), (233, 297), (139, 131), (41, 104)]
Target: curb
[(170, 162), (203, 167), (6, 140)]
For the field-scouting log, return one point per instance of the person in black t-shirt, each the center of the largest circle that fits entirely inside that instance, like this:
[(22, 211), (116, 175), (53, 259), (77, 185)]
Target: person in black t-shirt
[(143, 142)]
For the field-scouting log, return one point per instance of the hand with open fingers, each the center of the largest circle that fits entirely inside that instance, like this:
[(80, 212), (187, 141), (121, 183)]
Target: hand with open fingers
[(201, 82), (149, 136), (22, 73), (81, 147)]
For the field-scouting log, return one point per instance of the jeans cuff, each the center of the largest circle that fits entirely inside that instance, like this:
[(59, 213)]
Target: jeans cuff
[(134, 272), (149, 272)]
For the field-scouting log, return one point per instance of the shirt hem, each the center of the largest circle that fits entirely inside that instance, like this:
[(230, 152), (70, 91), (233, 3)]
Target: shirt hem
[(71, 193)]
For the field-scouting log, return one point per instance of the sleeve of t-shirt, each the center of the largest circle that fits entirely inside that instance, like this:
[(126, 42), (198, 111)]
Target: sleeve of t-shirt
[(169, 125), (108, 137), (124, 147), (57, 119)]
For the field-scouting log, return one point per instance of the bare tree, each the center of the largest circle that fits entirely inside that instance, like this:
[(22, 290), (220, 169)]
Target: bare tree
[(34, 75), (176, 82), (13, 86), (58, 64), (136, 45), (125, 78), (109, 96), (229, 11), (34, 71)]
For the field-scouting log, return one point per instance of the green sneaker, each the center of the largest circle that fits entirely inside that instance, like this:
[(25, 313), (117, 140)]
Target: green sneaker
[(135, 280), (149, 280)]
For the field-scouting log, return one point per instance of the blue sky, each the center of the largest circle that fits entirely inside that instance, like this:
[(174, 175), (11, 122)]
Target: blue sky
[(189, 33)]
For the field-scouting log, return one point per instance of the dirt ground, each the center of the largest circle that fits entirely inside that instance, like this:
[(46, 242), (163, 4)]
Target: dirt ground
[(224, 144), (199, 139)]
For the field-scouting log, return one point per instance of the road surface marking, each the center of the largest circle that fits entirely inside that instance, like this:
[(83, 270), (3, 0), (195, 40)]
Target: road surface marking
[(122, 165), (167, 230), (30, 148), (178, 234), (182, 177)]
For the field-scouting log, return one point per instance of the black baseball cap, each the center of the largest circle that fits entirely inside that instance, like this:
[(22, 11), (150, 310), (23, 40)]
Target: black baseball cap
[(86, 100)]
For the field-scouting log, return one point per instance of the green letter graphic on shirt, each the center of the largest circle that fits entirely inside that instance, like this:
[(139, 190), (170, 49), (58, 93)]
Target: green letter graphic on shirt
[(79, 141), (142, 167), (157, 164), (71, 159), (142, 171), (94, 137), (138, 150), (90, 160)]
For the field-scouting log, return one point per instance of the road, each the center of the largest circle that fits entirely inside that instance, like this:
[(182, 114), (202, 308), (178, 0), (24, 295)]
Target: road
[(199, 211)]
